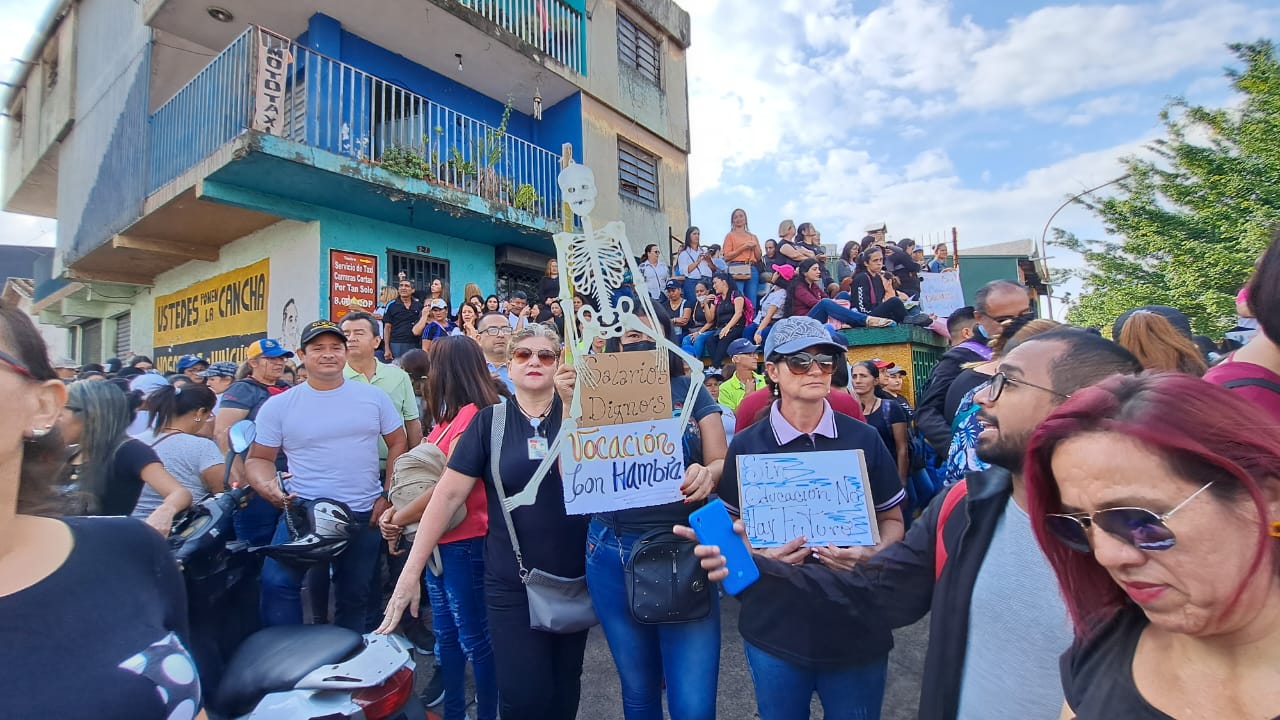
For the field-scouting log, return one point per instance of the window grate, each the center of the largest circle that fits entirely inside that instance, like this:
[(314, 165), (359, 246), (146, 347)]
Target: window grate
[(637, 174), (124, 335), (638, 49), (419, 269)]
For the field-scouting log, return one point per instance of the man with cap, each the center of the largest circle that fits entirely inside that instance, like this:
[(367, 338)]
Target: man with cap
[(745, 379), (192, 366), (241, 401), (891, 382), (330, 427)]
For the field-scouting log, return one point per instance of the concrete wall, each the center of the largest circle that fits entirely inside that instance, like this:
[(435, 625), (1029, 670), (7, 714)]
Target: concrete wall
[(601, 129), (293, 250), (661, 109)]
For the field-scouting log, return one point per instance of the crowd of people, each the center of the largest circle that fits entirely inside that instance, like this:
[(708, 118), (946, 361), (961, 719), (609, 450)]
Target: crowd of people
[(1090, 522)]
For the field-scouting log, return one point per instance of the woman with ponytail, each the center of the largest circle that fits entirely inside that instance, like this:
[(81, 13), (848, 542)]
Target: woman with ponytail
[(177, 434)]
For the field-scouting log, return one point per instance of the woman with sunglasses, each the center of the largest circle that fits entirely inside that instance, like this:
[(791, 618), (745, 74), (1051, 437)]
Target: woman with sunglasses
[(1161, 521), (792, 655), (683, 655), (538, 673), (101, 599), (108, 469)]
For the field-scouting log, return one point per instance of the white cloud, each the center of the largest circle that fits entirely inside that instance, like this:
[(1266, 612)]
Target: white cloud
[(26, 230), (928, 164)]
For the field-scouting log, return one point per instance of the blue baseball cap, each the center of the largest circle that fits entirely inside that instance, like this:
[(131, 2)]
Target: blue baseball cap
[(797, 333), (742, 346), (266, 347), (186, 362)]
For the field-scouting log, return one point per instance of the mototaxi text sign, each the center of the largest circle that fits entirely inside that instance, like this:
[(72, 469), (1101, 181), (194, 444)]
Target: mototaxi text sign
[(214, 318), (353, 283)]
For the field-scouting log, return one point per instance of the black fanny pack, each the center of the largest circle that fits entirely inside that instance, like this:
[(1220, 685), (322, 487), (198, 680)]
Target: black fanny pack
[(665, 581)]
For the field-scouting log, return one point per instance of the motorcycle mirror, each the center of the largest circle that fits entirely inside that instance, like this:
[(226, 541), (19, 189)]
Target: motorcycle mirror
[(241, 435)]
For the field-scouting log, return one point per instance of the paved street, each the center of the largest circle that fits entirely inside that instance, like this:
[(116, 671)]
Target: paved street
[(600, 691)]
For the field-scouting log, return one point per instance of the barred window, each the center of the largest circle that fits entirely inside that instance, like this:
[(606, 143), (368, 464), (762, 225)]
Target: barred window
[(637, 48), (637, 174)]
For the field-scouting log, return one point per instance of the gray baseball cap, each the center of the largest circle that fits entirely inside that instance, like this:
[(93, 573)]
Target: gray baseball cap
[(793, 334)]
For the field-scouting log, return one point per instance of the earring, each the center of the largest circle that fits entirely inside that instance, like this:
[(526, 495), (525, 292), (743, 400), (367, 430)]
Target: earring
[(1275, 529), (37, 433)]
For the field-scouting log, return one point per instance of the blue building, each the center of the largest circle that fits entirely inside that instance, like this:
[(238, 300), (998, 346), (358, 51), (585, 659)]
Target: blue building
[(221, 173)]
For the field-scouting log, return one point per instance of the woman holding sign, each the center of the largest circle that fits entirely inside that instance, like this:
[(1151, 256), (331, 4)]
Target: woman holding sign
[(664, 625), (539, 672), (792, 655)]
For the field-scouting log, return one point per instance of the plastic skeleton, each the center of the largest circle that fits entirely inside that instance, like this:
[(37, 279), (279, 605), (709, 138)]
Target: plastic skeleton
[(594, 264)]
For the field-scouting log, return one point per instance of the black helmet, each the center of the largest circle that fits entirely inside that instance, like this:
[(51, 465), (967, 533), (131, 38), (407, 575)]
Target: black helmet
[(318, 532)]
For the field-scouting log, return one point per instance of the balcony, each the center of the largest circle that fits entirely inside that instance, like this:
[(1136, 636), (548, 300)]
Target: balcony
[(270, 84), (556, 28)]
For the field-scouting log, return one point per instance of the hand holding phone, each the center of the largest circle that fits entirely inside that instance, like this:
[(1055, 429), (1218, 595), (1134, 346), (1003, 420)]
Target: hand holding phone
[(713, 526)]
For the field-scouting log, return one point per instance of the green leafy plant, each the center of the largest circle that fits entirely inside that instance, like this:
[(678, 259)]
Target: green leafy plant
[(405, 161), (526, 198)]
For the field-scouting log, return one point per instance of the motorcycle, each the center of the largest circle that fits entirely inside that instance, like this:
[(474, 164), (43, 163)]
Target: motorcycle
[(295, 671)]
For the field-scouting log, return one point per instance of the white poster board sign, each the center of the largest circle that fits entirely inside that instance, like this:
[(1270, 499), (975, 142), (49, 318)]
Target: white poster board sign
[(619, 467), (820, 495), (941, 294)]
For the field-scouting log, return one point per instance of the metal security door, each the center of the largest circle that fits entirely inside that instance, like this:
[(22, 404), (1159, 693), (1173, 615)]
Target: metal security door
[(419, 269)]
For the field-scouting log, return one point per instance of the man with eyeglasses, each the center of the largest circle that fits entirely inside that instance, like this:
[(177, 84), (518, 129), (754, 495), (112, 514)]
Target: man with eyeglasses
[(998, 623), (995, 303), (494, 333)]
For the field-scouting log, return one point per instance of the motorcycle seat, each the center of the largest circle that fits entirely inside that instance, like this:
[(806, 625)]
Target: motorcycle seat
[(276, 658)]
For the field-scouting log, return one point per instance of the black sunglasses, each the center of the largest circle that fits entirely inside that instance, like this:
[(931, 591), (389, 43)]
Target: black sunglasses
[(1139, 527), (800, 363), (1000, 380)]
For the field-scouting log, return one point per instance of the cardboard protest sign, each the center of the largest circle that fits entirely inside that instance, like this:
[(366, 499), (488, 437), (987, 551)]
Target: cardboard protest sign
[(617, 467), (629, 388), (941, 293), (820, 495)]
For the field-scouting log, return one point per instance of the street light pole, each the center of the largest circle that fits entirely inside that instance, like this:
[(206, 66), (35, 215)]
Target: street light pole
[(1044, 233)]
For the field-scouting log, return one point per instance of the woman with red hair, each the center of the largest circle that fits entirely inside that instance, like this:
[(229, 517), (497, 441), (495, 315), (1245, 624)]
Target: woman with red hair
[(1157, 501)]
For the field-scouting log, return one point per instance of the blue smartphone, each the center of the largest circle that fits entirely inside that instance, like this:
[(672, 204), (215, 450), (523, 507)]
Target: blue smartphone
[(714, 527)]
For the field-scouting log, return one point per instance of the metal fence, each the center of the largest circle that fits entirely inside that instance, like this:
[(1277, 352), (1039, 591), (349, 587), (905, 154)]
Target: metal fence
[(333, 106), (555, 27)]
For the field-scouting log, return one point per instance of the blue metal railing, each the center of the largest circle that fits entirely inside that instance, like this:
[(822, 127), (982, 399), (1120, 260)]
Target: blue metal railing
[(557, 28), (333, 106)]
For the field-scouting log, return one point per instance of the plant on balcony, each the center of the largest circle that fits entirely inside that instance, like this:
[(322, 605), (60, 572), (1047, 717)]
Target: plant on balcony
[(525, 198), (406, 161)]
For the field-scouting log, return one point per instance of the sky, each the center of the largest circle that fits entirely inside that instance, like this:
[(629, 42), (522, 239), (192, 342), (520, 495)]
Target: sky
[(982, 115)]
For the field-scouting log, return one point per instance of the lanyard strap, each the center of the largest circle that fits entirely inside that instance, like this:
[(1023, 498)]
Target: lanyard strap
[(495, 448)]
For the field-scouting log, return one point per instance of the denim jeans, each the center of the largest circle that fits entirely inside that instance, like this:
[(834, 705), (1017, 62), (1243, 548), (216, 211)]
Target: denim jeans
[(751, 286), (462, 631), (399, 349), (826, 309), (690, 290), (281, 602), (697, 346), (751, 330), (784, 690), (685, 655), (255, 523)]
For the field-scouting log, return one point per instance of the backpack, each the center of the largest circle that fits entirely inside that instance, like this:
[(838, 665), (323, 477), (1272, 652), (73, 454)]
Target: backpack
[(1252, 382), (957, 493)]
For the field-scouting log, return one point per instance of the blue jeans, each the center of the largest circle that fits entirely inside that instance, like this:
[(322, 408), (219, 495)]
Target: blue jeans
[(690, 289), (826, 309), (255, 523), (281, 602), (753, 328), (399, 349), (697, 347), (751, 286), (784, 690), (685, 655), (462, 631)]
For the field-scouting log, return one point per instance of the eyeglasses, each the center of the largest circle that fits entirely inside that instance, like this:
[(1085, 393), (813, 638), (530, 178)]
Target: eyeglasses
[(496, 331), (16, 365), (800, 363), (1139, 527), (1000, 380), (522, 354)]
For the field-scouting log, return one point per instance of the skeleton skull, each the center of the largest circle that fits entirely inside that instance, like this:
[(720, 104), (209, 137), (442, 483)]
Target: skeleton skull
[(578, 188)]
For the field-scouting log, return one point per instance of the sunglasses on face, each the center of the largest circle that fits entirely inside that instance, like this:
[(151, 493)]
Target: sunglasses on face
[(1138, 527), (16, 365), (800, 363), (522, 355), (1000, 380)]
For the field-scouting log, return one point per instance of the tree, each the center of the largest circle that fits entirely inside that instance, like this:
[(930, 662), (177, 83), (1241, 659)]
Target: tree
[(1187, 226)]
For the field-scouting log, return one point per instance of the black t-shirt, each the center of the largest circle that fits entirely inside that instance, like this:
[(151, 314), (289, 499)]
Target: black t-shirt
[(549, 539), (883, 418), (725, 309), (248, 395), (102, 636), (769, 620), (640, 520), (121, 487), (402, 320), (1097, 674), (548, 287)]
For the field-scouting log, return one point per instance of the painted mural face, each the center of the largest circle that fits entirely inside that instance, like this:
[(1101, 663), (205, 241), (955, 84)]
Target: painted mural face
[(578, 187)]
